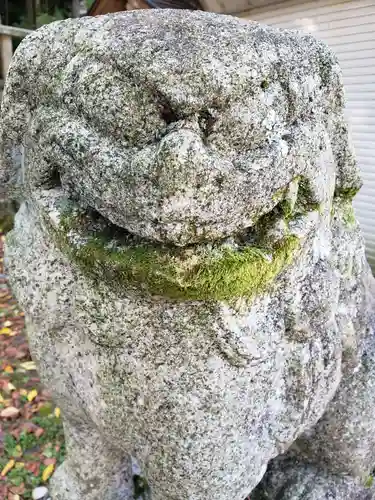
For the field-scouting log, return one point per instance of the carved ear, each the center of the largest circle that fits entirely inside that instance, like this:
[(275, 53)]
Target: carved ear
[(13, 125), (15, 116), (22, 92), (348, 178)]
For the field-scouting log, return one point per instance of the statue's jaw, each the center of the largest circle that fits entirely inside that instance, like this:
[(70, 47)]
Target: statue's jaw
[(240, 266)]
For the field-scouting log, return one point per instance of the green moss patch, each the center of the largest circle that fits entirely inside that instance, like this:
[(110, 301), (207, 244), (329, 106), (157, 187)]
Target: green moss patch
[(6, 223), (206, 272), (349, 216), (342, 209), (346, 193), (7, 212)]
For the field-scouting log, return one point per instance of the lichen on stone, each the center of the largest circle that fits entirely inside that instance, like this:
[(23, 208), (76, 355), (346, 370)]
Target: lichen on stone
[(343, 210), (346, 193)]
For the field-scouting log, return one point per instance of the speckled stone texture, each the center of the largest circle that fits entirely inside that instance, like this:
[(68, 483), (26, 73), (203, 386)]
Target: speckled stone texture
[(289, 479), (194, 280)]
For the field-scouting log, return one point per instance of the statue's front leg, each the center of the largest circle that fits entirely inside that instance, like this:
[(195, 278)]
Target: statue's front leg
[(344, 439), (336, 458), (93, 469)]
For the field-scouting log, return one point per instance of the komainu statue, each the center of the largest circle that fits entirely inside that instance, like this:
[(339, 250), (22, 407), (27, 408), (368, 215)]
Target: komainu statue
[(193, 276)]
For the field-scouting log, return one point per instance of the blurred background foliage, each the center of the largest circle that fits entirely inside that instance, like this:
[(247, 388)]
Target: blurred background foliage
[(35, 13)]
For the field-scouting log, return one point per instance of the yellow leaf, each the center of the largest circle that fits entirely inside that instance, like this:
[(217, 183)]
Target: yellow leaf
[(19, 465), (1, 399), (32, 395), (8, 467), (28, 365), (57, 412), (6, 331), (47, 472), (8, 369)]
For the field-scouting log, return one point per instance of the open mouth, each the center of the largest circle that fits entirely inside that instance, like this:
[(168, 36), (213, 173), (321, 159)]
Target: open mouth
[(239, 266)]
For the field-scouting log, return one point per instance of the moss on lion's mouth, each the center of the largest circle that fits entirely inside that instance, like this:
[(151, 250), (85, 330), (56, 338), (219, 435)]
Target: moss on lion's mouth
[(218, 271), (242, 266)]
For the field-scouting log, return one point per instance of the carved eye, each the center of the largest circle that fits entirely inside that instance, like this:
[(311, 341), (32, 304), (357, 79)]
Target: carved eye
[(110, 101)]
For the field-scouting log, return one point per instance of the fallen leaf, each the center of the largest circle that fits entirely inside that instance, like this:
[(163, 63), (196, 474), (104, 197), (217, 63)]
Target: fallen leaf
[(21, 354), (7, 323), (20, 465), (57, 412), (10, 412), (7, 468), (39, 431), (11, 352), (47, 473), (29, 427), (50, 461), (3, 490), (10, 387), (23, 392), (27, 413), (18, 490), (16, 433), (28, 365), (14, 497), (33, 467), (32, 395), (8, 369), (1, 399), (6, 331)]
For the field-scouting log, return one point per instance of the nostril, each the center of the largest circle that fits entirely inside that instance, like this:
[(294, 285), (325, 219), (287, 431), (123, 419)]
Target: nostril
[(55, 179), (206, 122), (167, 114), (49, 179)]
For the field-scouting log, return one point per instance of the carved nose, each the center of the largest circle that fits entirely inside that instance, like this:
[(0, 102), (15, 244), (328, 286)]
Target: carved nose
[(181, 159)]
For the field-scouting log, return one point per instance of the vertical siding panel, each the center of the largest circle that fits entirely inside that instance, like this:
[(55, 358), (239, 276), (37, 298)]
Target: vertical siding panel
[(349, 28)]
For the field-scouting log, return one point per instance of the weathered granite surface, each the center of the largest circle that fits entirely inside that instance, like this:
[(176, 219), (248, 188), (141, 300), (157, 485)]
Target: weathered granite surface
[(289, 479), (193, 276)]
